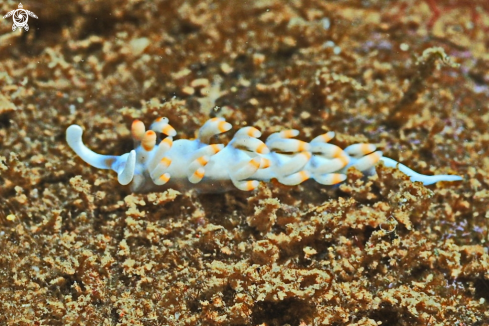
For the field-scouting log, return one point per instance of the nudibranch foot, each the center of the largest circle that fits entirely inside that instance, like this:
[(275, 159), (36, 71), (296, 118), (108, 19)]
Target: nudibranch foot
[(241, 164)]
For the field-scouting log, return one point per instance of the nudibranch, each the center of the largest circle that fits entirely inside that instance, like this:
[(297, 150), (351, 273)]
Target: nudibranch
[(242, 163)]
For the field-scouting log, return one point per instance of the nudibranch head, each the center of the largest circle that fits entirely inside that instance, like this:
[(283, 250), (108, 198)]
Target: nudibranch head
[(242, 163)]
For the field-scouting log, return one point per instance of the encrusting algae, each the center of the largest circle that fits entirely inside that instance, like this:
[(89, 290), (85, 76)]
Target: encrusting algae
[(77, 248)]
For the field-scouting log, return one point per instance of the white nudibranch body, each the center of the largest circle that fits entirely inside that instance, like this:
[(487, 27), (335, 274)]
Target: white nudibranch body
[(242, 163)]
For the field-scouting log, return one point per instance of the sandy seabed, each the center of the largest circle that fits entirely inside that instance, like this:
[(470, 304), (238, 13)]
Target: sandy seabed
[(77, 248)]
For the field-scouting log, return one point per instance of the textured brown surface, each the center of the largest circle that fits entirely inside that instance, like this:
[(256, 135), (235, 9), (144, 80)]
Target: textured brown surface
[(77, 248)]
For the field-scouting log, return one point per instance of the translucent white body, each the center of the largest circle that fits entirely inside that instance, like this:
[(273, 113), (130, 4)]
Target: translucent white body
[(246, 160)]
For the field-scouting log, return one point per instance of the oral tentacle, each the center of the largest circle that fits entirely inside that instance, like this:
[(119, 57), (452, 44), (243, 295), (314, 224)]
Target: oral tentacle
[(74, 135), (125, 170)]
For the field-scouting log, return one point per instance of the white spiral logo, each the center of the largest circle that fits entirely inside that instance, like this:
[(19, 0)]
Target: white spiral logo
[(20, 17)]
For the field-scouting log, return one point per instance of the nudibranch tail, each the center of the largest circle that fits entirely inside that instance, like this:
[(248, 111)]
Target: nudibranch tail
[(242, 163), (415, 176)]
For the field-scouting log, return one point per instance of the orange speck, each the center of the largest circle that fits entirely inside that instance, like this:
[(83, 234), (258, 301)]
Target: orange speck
[(253, 132), (307, 154), (336, 178), (343, 158), (250, 185), (288, 133), (199, 173), (165, 177), (302, 146), (168, 141), (222, 126), (304, 175), (148, 147), (365, 148), (326, 137), (337, 152), (216, 148), (165, 161), (202, 160), (168, 130), (255, 162), (261, 148), (265, 163), (375, 157)]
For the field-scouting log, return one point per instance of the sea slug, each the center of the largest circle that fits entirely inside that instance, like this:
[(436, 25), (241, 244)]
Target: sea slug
[(242, 163)]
